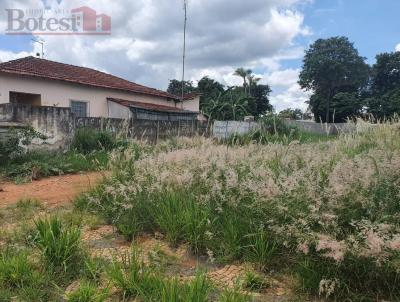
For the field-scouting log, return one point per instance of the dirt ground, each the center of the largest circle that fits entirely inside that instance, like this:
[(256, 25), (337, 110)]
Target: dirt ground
[(53, 191)]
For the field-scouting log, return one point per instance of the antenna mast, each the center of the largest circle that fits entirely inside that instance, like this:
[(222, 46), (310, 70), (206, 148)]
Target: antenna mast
[(185, 3), (41, 42)]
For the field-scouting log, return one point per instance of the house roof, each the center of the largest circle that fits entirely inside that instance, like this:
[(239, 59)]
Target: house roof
[(45, 69), (149, 106)]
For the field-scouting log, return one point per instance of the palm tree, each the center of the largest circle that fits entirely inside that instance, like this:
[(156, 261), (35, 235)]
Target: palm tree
[(243, 73), (253, 80), (248, 78)]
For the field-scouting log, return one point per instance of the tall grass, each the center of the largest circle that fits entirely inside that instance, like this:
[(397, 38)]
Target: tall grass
[(328, 210), (59, 245), (133, 279), (20, 278)]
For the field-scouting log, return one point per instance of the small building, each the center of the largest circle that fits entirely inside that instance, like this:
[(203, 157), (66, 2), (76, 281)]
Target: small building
[(88, 92)]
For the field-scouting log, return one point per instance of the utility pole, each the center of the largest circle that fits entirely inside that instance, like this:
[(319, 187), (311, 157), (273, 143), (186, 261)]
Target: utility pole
[(184, 51), (41, 42)]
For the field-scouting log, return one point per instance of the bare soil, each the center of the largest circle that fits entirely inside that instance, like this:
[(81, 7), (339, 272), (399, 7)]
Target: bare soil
[(52, 192)]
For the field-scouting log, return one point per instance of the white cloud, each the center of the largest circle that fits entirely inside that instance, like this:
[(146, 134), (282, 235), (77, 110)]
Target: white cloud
[(282, 78), (9, 55), (398, 47), (146, 41), (293, 97)]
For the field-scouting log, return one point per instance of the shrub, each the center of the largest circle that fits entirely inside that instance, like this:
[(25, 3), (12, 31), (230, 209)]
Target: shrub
[(355, 278), (59, 245), (12, 146), (87, 140), (35, 165)]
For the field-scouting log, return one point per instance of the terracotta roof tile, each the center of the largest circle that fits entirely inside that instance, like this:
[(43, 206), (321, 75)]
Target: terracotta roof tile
[(149, 106), (41, 68)]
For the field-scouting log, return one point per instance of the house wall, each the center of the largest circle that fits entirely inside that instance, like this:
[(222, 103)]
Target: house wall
[(116, 110), (60, 94), (191, 105)]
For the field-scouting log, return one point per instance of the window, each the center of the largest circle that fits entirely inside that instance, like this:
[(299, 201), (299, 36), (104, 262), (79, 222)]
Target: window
[(79, 108)]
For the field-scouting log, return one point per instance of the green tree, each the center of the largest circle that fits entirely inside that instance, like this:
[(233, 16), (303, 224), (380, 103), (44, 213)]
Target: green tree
[(332, 66), (384, 106), (244, 74), (386, 73), (289, 113), (208, 87), (175, 87), (231, 104), (260, 93), (384, 96)]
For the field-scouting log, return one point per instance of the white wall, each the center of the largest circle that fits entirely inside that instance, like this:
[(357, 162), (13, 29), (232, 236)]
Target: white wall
[(116, 110), (59, 94), (192, 105)]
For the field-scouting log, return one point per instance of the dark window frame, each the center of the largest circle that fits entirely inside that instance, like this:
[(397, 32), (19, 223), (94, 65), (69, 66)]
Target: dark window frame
[(78, 112)]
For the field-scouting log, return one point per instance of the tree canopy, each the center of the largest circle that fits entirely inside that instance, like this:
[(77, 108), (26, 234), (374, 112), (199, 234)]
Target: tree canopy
[(232, 103), (333, 66), (175, 87)]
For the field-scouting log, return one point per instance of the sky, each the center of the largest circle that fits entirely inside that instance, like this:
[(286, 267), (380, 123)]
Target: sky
[(267, 36)]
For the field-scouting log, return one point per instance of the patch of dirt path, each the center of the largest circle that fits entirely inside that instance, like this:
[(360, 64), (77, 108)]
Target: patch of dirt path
[(53, 191)]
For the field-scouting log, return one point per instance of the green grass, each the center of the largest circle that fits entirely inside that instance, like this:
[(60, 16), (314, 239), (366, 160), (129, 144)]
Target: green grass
[(39, 164), (87, 292), (59, 246), (20, 277), (135, 280)]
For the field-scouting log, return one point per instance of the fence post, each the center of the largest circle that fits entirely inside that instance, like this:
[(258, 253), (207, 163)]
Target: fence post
[(158, 131)]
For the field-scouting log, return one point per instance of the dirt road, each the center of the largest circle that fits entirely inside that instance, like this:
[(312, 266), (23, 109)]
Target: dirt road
[(53, 191)]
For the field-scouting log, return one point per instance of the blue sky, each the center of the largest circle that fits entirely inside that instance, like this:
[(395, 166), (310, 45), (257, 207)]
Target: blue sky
[(268, 36), (373, 25)]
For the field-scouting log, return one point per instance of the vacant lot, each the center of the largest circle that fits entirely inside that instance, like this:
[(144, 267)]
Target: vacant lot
[(192, 220)]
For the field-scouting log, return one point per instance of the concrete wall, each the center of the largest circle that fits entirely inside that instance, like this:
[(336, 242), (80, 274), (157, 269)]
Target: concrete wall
[(56, 123), (59, 125), (331, 129), (59, 94), (224, 129)]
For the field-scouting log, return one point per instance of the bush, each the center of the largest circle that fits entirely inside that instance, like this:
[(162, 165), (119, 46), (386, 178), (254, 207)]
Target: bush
[(87, 140), (39, 164), (59, 245), (355, 278), (12, 146)]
